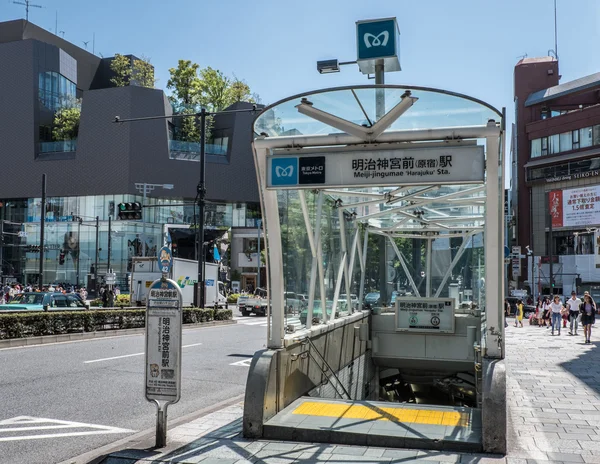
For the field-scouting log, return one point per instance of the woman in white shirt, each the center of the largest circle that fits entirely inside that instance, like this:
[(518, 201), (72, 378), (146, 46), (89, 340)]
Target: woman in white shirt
[(556, 307)]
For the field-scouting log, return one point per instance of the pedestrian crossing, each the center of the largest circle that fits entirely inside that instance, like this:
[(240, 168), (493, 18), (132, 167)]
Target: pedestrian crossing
[(263, 321)]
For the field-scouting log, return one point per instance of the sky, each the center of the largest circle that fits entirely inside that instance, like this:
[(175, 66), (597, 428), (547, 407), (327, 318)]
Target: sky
[(466, 46)]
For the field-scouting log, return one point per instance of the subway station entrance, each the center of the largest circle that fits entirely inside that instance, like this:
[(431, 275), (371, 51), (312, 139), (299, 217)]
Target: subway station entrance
[(383, 226)]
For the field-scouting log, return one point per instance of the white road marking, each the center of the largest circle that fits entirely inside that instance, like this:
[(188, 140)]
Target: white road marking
[(242, 363), (130, 355), (51, 424)]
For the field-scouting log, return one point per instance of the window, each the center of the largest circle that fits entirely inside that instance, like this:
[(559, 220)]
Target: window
[(554, 144), (585, 137), (575, 139), (55, 91), (544, 146), (596, 135), (59, 301), (536, 148), (566, 141)]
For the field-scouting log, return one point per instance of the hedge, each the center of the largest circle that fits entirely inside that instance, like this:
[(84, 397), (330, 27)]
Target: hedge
[(20, 325), (232, 299)]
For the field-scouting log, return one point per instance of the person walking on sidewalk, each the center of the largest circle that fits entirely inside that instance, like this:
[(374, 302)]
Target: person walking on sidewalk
[(519, 315), (573, 305), (556, 307), (588, 316)]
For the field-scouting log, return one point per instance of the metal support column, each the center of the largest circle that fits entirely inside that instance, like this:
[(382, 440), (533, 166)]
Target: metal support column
[(109, 243), (551, 256), (79, 221), (42, 230), (363, 267), (428, 269), (380, 93), (97, 253), (143, 220), (315, 255)]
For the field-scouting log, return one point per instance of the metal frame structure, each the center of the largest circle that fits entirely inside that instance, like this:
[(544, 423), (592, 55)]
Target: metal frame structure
[(433, 220)]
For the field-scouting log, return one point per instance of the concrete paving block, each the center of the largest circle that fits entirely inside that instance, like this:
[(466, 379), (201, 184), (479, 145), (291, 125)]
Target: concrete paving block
[(350, 450), (565, 457), (591, 459), (313, 457), (590, 445)]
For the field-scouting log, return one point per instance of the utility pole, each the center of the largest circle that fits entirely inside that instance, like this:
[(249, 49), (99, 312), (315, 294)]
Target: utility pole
[(97, 252), (259, 223), (550, 256), (79, 221), (109, 242), (42, 227), (201, 198)]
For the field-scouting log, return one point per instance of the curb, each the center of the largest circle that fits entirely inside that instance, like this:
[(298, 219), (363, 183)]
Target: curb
[(145, 438), (46, 339)]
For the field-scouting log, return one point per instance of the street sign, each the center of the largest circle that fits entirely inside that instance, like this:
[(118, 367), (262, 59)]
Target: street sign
[(165, 260), (506, 260), (163, 350), (110, 278), (377, 39), (22, 234), (361, 167), (516, 250), (506, 252), (425, 315)]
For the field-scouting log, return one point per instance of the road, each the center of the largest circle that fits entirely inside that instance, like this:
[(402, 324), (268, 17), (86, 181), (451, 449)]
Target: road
[(98, 384)]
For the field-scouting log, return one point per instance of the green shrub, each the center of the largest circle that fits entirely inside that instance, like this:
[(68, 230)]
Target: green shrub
[(31, 324)]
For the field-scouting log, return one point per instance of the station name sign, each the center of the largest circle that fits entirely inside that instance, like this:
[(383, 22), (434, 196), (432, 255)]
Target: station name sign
[(379, 167), (425, 315)]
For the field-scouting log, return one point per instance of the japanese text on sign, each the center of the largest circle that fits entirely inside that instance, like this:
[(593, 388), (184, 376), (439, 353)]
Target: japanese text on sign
[(425, 315), (575, 207)]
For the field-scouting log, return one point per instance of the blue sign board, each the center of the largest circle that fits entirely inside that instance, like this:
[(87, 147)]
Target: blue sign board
[(375, 40), (165, 259), (506, 251), (210, 282), (284, 171)]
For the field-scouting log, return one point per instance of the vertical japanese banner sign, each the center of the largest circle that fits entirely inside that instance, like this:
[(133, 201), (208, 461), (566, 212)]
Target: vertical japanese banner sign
[(163, 342), (597, 247), (556, 207)]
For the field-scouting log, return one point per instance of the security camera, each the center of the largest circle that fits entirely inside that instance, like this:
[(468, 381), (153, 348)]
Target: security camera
[(254, 107), (117, 118)]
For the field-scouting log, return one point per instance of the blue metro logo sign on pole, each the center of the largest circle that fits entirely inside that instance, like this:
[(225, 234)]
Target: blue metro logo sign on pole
[(377, 39)]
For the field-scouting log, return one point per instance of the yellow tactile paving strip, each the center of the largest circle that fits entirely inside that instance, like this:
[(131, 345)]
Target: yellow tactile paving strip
[(407, 416)]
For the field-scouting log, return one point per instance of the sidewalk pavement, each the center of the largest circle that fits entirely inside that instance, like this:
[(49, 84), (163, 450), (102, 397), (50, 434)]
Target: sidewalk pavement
[(553, 393)]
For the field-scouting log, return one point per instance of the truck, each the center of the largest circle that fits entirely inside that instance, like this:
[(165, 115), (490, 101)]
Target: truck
[(184, 272), (256, 303)]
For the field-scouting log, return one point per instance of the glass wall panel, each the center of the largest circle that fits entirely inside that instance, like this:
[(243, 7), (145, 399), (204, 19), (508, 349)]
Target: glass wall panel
[(536, 148), (585, 137), (566, 141), (554, 144)]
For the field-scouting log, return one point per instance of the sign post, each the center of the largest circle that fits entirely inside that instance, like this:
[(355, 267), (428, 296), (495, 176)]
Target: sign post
[(163, 344)]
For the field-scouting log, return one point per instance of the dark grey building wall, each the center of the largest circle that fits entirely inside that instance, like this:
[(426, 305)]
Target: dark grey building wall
[(87, 63)]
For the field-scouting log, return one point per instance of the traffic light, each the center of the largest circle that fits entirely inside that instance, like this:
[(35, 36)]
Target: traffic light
[(130, 211), (61, 257)]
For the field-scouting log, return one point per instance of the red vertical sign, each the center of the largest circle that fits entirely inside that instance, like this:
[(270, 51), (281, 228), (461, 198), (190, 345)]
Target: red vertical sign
[(556, 207)]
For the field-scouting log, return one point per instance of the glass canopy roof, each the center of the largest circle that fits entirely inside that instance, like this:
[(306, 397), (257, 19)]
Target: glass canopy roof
[(405, 209), (433, 109)]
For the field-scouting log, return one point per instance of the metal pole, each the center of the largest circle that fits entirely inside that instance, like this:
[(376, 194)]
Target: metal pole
[(201, 197), (110, 242), (428, 268), (143, 221), (42, 227), (97, 252), (550, 252), (161, 425), (379, 93), (1, 247), (78, 248), (259, 222)]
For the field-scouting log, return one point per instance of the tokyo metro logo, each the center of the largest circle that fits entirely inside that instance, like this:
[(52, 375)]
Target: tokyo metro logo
[(379, 40)]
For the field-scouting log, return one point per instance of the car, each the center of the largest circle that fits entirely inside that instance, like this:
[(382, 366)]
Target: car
[(373, 299), (45, 301), (353, 300), (395, 294), (317, 311)]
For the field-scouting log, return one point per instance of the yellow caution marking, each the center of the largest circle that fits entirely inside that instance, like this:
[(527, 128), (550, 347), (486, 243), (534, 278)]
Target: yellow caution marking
[(359, 411)]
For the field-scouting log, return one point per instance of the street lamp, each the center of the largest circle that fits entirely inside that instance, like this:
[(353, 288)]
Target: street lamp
[(146, 188)]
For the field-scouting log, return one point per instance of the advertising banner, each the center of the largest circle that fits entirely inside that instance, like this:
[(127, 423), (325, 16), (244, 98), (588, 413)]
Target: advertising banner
[(383, 167), (575, 207)]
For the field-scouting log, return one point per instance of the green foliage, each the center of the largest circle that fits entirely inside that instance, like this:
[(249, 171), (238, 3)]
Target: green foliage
[(185, 85), (139, 72), (232, 299), (66, 123), (32, 324), (143, 73), (121, 66)]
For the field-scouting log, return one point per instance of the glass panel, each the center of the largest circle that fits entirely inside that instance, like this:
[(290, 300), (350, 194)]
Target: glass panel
[(432, 109), (536, 148), (585, 137), (566, 141), (596, 135), (554, 144), (544, 146)]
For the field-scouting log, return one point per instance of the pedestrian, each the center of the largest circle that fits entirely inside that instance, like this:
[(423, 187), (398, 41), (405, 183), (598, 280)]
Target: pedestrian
[(519, 315), (555, 308), (573, 305), (588, 316), (506, 311)]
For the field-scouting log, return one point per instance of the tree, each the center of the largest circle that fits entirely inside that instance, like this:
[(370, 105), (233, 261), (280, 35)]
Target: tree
[(143, 73), (66, 123), (185, 84), (121, 66)]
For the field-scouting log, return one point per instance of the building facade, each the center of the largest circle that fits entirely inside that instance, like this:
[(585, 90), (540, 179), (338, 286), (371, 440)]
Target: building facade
[(107, 163), (556, 179)]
